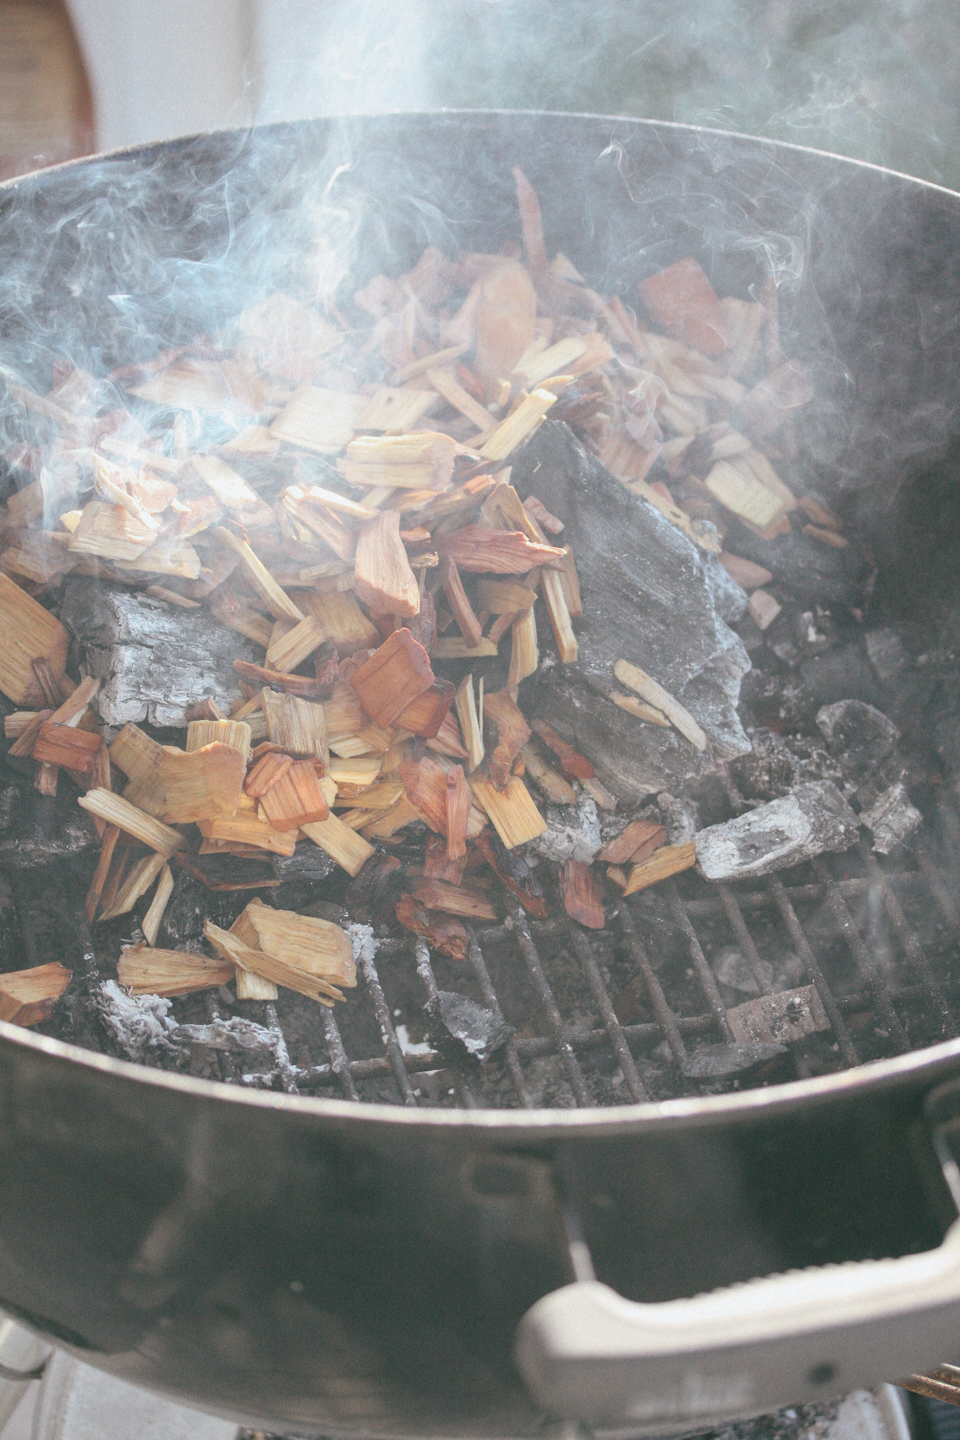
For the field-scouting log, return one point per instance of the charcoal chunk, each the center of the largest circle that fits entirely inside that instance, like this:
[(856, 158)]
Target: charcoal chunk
[(804, 569), (718, 1062), (814, 818), (154, 660), (571, 833), (650, 597), (308, 862), (44, 829), (859, 736), (891, 818), (460, 1026)]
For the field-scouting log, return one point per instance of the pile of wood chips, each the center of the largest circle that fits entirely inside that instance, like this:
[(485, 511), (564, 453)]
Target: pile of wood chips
[(415, 550)]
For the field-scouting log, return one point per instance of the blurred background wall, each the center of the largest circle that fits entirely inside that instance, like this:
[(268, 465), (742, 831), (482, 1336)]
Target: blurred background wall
[(876, 79)]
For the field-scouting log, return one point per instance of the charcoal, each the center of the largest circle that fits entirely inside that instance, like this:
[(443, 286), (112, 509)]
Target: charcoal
[(813, 818), (140, 1024), (11, 805), (941, 715), (804, 569), (460, 1026), (732, 968), (229, 872), (154, 660), (680, 815), (571, 833), (308, 862), (234, 1034), (650, 597), (718, 1062), (190, 904), (777, 763), (887, 653), (859, 736), (45, 828), (786, 1016), (891, 818), (843, 673)]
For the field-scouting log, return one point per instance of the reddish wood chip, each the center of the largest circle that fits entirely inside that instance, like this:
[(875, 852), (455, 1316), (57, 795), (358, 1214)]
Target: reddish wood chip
[(458, 812), (644, 835), (426, 785), (266, 772), (441, 931), (580, 887), (459, 602), (683, 301), (571, 761), (513, 732), (393, 677), (514, 872), (384, 580), (295, 799), (470, 901), (426, 715), (65, 745), (497, 552), (437, 864), (27, 996)]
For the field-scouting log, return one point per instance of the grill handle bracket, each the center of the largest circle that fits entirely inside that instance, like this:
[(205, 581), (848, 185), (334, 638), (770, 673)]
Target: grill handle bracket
[(588, 1354)]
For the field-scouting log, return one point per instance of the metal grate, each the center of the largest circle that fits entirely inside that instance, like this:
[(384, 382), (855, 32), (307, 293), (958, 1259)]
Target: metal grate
[(613, 1017)]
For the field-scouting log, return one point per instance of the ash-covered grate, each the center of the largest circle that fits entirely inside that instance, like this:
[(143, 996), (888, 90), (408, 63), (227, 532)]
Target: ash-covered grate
[(693, 987)]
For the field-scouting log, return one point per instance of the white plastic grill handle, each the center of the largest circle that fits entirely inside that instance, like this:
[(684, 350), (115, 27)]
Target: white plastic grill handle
[(588, 1354)]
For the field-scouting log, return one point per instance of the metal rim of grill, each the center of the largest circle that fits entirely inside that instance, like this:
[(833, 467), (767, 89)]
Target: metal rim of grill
[(883, 990)]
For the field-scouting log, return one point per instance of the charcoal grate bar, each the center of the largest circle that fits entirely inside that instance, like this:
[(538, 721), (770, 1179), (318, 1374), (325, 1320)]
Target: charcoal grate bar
[(911, 945), (479, 967), (387, 1033), (745, 940), (815, 975), (611, 1024), (425, 971), (339, 1063), (704, 973), (554, 1018), (704, 907), (658, 1001), (864, 962)]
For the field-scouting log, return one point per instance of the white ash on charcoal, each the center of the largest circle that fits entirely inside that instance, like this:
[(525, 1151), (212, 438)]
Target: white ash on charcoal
[(572, 833), (461, 1028), (154, 660), (648, 598), (732, 969), (813, 819), (777, 763), (235, 1035), (307, 863), (43, 829), (891, 819), (887, 653), (736, 1058), (141, 1024), (787, 1016), (681, 817), (863, 742)]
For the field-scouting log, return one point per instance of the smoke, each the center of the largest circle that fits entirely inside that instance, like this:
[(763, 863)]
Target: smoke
[(872, 79)]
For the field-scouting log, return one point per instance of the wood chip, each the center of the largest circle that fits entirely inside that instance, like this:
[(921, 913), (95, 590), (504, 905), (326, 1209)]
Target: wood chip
[(27, 996), (29, 633), (826, 536), (515, 817), (298, 726), (497, 552), (469, 717), (441, 932), (554, 787), (572, 762), (467, 900), (504, 597), (270, 967), (666, 861), (518, 426), (65, 745), (135, 885), (231, 489), (384, 579), (307, 942), (320, 420), (632, 838), (763, 608), (295, 798), (145, 971), (348, 849), (150, 924), (648, 689), (582, 894), (341, 620), (460, 399), (458, 814), (279, 604), (425, 715), (225, 732), (683, 301), (421, 460), (393, 677), (554, 598), (246, 828), (745, 572), (513, 732), (117, 811), (289, 650), (524, 653), (743, 495), (457, 599)]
